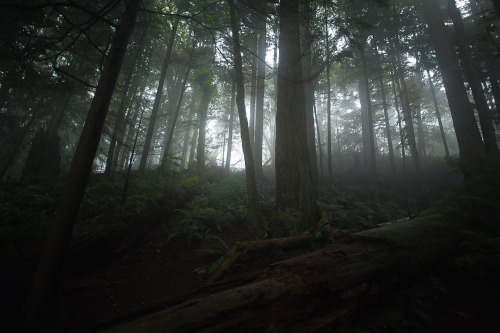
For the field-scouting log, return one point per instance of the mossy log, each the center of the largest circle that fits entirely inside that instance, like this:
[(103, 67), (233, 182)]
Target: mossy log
[(317, 291)]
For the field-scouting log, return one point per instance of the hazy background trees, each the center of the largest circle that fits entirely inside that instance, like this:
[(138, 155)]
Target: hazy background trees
[(366, 89)]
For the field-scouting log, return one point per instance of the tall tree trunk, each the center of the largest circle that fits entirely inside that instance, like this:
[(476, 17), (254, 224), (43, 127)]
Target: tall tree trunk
[(125, 103), (295, 189), (421, 136), (468, 136), (40, 300), (485, 119), (328, 111), (187, 137), (307, 41), (386, 115), (408, 119), (173, 118), (253, 87), (194, 144), (438, 114), (158, 98), (128, 126), (200, 153), (320, 149), (253, 201), (373, 161), (395, 82), (125, 148), (131, 159), (363, 101), (231, 126), (174, 89), (261, 80), (495, 87)]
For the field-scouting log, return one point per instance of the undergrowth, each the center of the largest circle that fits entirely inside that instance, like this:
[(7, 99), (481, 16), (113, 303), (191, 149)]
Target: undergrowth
[(217, 208)]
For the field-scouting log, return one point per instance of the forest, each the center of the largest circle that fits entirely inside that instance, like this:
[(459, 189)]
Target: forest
[(250, 166)]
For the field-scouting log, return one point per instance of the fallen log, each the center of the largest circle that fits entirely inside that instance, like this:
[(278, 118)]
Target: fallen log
[(317, 291)]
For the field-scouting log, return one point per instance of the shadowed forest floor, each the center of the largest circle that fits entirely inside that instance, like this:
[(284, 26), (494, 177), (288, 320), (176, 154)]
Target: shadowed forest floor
[(141, 267)]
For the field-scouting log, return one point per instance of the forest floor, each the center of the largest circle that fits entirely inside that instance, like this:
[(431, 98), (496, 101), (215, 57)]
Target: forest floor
[(154, 271)]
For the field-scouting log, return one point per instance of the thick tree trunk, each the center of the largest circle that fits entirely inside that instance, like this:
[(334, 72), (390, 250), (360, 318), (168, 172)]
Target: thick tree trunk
[(42, 294), (316, 292), (158, 98), (307, 41), (254, 211), (295, 184), (373, 160), (468, 136), (483, 110)]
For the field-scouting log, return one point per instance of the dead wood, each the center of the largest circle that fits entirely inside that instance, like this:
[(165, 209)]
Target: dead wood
[(317, 291)]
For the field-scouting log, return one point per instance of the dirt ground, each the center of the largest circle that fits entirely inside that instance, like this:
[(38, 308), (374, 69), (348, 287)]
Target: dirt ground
[(150, 272)]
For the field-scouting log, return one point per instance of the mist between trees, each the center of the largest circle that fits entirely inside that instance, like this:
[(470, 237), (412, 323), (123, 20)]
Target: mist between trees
[(295, 92), (178, 74)]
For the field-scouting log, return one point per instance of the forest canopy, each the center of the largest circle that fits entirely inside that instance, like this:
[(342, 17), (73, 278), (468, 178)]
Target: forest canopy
[(357, 56), (301, 96)]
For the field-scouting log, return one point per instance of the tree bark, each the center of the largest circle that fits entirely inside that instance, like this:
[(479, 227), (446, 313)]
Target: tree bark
[(373, 160), (254, 211), (295, 189), (307, 41), (468, 136), (485, 119), (42, 294), (261, 80), (316, 292)]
